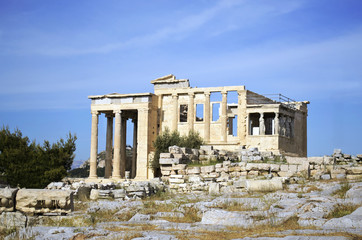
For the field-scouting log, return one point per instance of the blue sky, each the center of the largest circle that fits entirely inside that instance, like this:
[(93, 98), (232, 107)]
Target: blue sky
[(54, 54)]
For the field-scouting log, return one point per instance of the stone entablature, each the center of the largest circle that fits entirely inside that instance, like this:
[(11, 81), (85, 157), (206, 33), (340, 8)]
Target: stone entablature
[(251, 120)]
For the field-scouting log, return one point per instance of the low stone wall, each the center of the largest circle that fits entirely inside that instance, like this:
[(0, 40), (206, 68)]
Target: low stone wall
[(177, 169), (17, 206), (36, 201), (112, 190)]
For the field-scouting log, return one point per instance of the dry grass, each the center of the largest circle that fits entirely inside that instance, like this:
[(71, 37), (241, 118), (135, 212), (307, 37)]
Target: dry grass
[(150, 207), (341, 192), (133, 227), (341, 210), (234, 206), (312, 188), (190, 216)]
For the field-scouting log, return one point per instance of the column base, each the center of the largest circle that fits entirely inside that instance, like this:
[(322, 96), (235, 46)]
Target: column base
[(115, 178)]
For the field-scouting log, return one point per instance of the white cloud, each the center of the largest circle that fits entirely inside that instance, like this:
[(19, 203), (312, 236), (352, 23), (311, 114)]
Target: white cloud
[(245, 14)]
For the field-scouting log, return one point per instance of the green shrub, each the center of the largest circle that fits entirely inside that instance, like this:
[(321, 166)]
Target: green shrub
[(167, 139), (27, 164)]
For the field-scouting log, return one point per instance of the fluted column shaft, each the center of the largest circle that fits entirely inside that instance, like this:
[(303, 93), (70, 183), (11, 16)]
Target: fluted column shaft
[(117, 146), (94, 146)]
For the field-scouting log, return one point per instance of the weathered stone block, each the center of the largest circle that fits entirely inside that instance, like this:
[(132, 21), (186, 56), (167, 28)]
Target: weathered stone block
[(251, 166), (226, 163), (253, 173), (284, 168), (7, 199), (42, 201), (181, 172), (193, 170), (263, 166), (354, 170), (165, 173), (214, 188), (285, 174), (176, 180), (316, 160), (206, 147), (177, 176), (240, 183), (274, 167), (235, 169), (336, 172), (179, 156), (264, 185), (179, 166), (354, 177), (293, 168), (119, 193), (207, 169), (10, 220), (166, 155), (166, 167), (174, 149), (169, 161), (195, 152), (194, 179)]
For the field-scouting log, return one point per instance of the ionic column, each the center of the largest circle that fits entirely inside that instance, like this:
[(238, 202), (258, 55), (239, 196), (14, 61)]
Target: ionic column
[(175, 111), (134, 155), (276, 124), (123, 146), (223, 117), (191, 112), (94, 146), (207, 117), (116, 174), (261, 124), (109, 143)]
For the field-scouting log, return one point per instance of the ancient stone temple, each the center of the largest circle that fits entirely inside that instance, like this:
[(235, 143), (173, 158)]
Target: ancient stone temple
[(271, 124)]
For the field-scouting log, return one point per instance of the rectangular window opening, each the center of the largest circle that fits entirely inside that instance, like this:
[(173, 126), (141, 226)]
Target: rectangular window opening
[(215, 112), (254, 128), (183, 112), (232, 126), (269, 123), (199, 112)]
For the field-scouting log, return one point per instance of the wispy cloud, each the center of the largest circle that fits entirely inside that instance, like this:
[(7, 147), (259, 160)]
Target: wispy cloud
[(245, 13)]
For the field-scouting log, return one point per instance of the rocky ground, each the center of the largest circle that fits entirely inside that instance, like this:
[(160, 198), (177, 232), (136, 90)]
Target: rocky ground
[(307, 210)]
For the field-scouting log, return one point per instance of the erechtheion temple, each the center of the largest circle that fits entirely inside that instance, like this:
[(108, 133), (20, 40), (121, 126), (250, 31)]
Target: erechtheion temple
[(276, 125)]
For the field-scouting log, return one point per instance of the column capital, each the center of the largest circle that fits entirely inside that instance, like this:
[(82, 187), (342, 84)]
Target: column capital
[(119, 111), (109, 115), (276, 114), (191, 94), (224, 92), (207, 94), (94, 112), (174, 95)]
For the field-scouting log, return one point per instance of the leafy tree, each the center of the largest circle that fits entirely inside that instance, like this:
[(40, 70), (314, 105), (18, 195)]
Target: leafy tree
[(27, 164), (167, 139)]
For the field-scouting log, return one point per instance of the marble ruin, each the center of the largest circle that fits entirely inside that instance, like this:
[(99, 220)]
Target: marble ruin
[(275, 125)]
